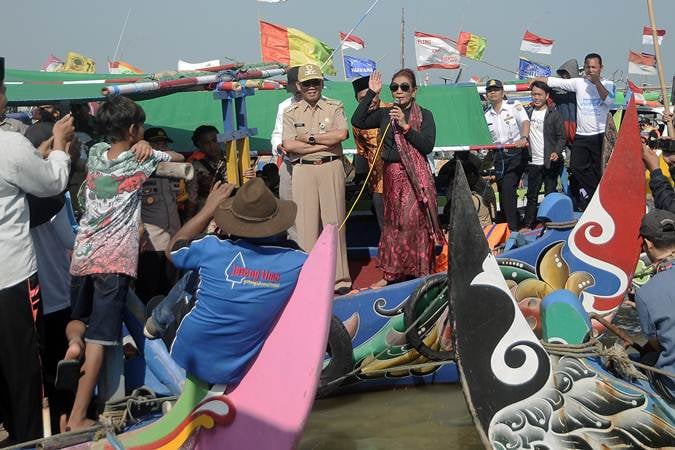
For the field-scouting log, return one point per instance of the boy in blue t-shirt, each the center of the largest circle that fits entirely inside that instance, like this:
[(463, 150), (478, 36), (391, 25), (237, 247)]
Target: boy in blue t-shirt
[(244, 282), (655, 300)]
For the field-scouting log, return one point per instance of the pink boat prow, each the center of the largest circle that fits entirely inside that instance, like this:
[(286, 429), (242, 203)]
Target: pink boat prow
[(275, 397), (269, 407)]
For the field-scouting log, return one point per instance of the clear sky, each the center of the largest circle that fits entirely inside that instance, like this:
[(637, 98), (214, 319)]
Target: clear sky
[(159, 33)]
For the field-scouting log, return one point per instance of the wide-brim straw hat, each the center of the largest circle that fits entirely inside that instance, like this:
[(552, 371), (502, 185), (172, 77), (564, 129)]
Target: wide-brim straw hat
[(255, 212)]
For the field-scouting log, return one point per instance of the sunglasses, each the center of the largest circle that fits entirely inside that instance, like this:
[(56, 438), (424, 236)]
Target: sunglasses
[(311, 83), (393, 87)]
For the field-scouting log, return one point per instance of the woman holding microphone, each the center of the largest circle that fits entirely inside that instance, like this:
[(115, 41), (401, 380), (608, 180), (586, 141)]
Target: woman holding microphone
[(408, 133)]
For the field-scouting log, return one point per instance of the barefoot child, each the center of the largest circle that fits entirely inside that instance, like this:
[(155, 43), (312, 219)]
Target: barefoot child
[(105, 256)]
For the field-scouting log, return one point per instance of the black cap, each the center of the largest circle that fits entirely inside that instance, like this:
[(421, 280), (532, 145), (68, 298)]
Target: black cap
[(39, 132), (156, 134), (494, 84), (2, 68), (292, 78), (360, 84), (658, 225)]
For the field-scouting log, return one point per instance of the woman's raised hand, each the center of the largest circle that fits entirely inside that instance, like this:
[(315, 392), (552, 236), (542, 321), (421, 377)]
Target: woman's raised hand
[(375, 82)]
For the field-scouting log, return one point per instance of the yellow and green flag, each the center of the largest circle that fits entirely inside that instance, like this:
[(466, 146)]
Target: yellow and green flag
[(293, 47), (471, 45)]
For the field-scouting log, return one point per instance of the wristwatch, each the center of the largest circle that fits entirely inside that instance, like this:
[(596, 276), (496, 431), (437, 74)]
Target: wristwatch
[(311, 140)]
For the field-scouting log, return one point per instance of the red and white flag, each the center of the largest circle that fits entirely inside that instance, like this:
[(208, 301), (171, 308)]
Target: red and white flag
[(351, 42), (648, 38), (434, 51), (638, 93), (536, 44), (641, 63)]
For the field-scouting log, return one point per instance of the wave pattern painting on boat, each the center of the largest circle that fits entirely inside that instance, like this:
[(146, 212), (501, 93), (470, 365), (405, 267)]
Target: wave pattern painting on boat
[(583, 407)]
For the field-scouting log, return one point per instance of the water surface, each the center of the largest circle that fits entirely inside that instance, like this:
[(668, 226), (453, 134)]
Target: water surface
[(427, 417)]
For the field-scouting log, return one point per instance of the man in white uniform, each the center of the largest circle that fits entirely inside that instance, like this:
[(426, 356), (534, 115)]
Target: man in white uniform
[(595, 96), (508, 124), (286, 169)]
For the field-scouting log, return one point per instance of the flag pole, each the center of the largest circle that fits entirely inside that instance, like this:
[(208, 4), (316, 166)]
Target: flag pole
[(350, 32), (124, 27), (402, 38), (659, 66), (257, 8), (344, 66)]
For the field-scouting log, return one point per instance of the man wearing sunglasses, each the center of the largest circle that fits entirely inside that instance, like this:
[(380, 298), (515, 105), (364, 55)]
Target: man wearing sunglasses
[(313, 131), (508, 124)]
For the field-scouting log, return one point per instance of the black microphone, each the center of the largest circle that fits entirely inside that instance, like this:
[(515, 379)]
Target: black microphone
[(394, 122)]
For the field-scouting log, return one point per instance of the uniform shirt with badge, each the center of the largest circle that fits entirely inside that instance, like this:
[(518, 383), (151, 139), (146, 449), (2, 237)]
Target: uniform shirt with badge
[(159, 210), (505, 125), (303, 119)]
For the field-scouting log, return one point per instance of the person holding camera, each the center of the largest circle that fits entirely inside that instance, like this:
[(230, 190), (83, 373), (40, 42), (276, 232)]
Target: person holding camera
[(42, 173), (662, 190)]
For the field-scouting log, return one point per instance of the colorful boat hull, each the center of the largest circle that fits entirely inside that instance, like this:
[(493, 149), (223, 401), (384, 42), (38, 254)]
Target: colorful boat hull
[(262, 411), (519, 393)]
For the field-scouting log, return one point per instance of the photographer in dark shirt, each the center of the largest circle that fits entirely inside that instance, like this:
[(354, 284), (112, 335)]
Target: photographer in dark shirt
[(662, 190)]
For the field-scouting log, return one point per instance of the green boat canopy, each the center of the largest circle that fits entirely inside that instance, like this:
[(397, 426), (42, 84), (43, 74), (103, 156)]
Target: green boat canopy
[(457, 109)]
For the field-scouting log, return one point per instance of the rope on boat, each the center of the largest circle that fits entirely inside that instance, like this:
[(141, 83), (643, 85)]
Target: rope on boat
[(365, 182), (426, 365), (612, 357), (359, 369)]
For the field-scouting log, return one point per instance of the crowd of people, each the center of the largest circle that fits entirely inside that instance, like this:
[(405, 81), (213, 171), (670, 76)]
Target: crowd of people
[(86, 221)]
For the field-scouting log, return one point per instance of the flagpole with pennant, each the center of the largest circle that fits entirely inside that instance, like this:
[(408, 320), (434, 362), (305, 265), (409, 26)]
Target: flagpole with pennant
[(659, 66)]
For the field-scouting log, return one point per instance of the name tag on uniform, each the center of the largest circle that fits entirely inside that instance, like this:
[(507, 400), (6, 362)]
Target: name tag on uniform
[(298, 125)]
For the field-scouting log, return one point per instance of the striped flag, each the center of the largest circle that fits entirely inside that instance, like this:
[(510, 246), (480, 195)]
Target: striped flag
[(121, 67), (641, 63), (434, 51), (351, 42), (637, 92), (471, 45), (536, 44), (293, 47), (648, 38), (52, 64)]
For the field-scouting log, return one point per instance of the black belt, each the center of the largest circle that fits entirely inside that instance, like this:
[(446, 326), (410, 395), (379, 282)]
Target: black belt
[(318, 162)]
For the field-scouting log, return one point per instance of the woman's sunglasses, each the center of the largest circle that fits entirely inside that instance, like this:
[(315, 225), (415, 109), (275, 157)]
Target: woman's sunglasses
[(393, 87)]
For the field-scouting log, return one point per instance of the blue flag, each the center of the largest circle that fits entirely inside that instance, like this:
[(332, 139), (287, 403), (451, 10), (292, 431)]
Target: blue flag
[(357, 67), (531, 69)]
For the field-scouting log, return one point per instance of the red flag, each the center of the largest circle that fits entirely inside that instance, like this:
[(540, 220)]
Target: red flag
[(648, 37), (638, 93), (536, 44), (351, 41), (641, 63)]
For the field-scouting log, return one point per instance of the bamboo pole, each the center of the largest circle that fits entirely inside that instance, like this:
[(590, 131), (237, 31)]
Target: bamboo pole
[(659, 67), (402, 38)]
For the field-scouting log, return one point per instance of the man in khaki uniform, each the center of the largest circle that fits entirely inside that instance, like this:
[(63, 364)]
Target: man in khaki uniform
[(313, 131)]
